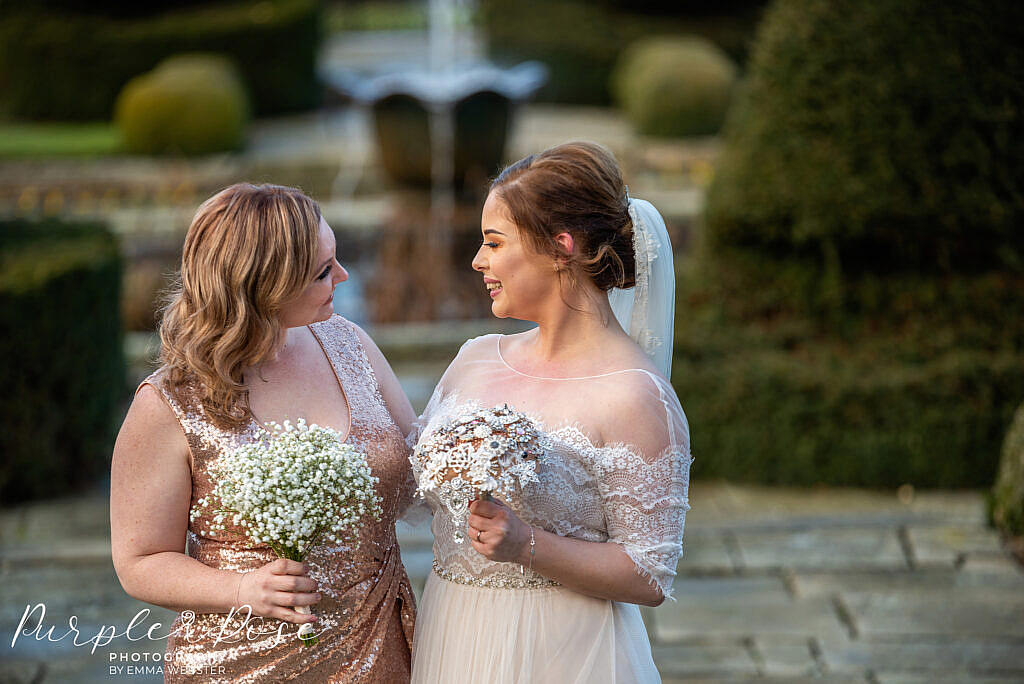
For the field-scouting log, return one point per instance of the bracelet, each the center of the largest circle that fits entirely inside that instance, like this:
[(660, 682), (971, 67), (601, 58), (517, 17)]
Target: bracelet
[(238, 589), (533, 545), (533, 548)]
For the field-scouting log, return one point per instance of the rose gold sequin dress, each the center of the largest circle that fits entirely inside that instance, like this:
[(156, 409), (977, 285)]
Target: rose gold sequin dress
[(367, 611)]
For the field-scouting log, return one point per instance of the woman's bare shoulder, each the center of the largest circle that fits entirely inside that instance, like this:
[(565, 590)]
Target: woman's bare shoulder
[(150, 424)]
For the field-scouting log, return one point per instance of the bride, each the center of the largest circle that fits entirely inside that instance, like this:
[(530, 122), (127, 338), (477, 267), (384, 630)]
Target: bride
[(545, 585)]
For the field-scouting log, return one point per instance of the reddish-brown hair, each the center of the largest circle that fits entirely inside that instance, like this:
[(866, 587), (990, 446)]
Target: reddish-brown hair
[(574, 188)]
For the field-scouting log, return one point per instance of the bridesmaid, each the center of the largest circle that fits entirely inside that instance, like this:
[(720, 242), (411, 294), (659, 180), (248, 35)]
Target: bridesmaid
[(249, 337)]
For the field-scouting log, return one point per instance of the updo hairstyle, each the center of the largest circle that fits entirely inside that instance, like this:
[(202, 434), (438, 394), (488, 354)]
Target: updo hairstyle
[(573, 188)]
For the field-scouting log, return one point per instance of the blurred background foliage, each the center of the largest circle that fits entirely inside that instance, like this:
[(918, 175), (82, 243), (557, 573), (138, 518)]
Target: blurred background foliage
[(190, 104), (581, 41), (61, 341), (857, 295), (1006, 505), (71, 63), (674, 86)]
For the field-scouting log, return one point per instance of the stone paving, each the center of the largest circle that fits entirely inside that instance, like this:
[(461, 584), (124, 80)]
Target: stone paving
[(776, 584)]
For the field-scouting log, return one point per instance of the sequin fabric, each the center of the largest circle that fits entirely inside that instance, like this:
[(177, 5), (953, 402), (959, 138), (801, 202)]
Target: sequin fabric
[(367, 612)]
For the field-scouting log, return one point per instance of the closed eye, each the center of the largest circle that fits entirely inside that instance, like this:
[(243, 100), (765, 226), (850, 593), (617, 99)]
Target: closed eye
[(492, 245), (323, 275)]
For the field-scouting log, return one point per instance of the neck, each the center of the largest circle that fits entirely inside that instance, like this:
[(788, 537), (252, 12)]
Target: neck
[(285, 341), (575, 328), (282, 346)]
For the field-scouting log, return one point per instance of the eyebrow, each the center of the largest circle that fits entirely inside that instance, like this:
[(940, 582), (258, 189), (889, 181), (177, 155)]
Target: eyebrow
[(489, 231)]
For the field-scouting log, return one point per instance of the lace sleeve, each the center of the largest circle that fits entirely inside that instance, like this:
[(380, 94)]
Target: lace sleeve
[(644, 484)]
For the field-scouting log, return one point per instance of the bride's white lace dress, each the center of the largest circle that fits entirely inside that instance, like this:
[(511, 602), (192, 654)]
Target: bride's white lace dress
[(616, 470)]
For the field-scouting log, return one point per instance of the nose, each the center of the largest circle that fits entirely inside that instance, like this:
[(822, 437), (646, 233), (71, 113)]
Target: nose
[(479, 260), (340, 275)]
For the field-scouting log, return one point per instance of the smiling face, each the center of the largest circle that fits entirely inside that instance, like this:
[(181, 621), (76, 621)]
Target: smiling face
[(520, 281), (316, 301)]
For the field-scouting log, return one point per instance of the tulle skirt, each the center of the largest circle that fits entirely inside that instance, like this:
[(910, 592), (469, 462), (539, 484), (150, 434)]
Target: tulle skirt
[(506, 636)]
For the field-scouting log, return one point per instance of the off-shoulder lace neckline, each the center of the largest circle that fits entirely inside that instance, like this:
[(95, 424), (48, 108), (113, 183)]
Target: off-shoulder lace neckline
[(501, 357), (454, 403)]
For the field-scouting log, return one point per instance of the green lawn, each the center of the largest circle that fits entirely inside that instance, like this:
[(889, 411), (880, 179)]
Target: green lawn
[(37, 140)]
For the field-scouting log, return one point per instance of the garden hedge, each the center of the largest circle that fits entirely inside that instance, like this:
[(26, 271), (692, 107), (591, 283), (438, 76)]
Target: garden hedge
[(63, 370), (580, 41), (189, 104), (70, 66), (908, 379), (674, 87), (853, 313), (887, 133)]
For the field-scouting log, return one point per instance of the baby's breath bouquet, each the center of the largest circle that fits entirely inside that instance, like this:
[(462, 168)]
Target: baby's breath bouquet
[(294, 486)]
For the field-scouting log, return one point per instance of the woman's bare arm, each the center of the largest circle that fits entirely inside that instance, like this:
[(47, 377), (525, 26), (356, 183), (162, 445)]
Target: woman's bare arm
[(150, 496), (598, 569)]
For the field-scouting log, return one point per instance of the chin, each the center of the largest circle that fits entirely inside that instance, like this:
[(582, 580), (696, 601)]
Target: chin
[(498, 311), (502, 308)]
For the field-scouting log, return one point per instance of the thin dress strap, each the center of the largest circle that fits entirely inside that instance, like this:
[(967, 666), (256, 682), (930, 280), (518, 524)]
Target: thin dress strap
[(340, 342)]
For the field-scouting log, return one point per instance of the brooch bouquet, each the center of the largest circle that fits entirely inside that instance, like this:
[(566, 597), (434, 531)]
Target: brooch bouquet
[(485, 451), (293, 487)]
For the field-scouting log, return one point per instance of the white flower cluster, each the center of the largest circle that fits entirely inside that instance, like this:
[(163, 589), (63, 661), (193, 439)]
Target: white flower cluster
[(293, 487), (489, 450)]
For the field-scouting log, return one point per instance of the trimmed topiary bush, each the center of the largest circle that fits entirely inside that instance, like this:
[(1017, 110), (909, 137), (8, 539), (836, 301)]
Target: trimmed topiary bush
[(63, 370), (580, 41), (68, 66), (189, 104), (853, 315), (886, 133), (674, 86), (1007, 501)]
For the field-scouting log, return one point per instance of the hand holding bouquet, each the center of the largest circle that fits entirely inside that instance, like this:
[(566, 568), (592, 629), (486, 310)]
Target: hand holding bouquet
[(294, 487), (490, 450)]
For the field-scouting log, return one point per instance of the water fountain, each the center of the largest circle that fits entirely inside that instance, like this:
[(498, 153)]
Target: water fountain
[(443, 126), (446, 121)]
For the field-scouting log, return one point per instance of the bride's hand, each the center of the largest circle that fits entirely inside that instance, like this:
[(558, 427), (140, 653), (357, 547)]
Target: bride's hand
[(276, 588), (496, 532)]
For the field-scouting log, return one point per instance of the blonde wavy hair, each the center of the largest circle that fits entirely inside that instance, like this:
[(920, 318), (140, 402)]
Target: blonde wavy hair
[(249, 251)]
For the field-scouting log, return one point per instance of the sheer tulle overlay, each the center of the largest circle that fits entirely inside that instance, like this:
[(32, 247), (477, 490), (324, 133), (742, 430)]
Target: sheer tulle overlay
[(476, 634), (616, 470)]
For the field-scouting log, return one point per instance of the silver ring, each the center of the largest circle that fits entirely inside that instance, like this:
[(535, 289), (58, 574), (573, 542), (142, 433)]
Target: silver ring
[(478, 533)]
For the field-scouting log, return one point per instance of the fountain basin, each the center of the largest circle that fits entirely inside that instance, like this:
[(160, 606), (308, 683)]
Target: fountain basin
[(473, 103)]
